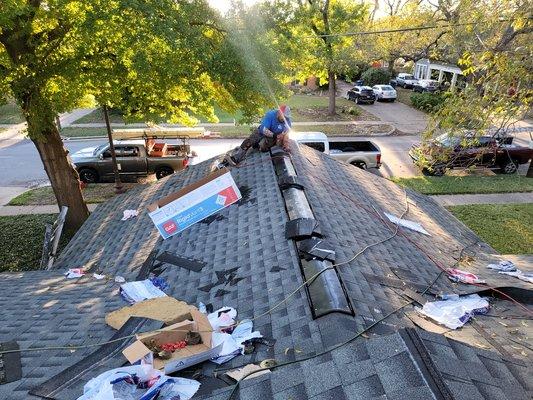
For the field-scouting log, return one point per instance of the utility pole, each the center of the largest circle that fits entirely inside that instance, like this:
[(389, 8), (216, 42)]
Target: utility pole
[(118, 184)]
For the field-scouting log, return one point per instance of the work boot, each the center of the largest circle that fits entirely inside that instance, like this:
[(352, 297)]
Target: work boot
[(238, 155)]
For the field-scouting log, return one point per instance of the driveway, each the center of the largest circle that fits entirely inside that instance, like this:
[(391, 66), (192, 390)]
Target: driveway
[(403, 117)]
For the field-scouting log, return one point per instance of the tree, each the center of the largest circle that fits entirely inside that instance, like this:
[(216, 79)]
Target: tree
[(376, 76), (494, 40), (151, 59), (305, 34)]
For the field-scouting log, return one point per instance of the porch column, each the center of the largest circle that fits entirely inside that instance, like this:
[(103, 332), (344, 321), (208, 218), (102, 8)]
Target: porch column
[(441, 74), (454, 80)]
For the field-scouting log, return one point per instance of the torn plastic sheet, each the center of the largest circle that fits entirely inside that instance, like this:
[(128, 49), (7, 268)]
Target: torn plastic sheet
[(129, 214), (457, 275), (455, 313), (138, 382), (134, 292), (506, 266), (415, 226)]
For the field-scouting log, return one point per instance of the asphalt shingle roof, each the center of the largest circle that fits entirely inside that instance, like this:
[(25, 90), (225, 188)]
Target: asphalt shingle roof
[(252, 267)]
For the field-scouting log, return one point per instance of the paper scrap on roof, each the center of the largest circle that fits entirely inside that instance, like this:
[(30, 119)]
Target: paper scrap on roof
[(415, 226), (455, 313)]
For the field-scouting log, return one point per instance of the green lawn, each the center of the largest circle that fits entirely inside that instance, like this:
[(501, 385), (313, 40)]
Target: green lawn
[(304, 108), (467, 184), (95, 193), (82, 132), (506, 227), (10, 114), (21, 241)]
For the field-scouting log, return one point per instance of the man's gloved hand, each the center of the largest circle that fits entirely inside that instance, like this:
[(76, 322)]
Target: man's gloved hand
[(268, 133)]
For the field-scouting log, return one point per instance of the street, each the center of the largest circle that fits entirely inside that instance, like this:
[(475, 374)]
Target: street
[(20, 164)]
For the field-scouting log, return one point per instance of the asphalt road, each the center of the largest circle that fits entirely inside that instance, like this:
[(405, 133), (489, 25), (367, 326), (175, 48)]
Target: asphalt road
[(20, 164)]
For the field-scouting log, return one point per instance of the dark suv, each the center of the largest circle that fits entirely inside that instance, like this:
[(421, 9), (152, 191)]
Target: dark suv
[(447, 152), (362, 94)]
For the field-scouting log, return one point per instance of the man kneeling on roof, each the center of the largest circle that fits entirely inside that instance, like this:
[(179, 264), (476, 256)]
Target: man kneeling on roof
[(274, 130)]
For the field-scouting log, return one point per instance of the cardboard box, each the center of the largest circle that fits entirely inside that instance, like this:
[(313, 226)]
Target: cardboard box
[(182, 358), (176, 212)]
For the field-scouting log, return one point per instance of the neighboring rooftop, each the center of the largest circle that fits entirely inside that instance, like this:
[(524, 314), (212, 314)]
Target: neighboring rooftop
[(251, 266)]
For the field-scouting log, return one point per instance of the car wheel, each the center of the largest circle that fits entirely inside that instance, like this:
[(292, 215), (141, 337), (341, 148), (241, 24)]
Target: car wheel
[(162, 172), (88, 175), (359, 164), (357, 100), (372, 102), (510, 167)]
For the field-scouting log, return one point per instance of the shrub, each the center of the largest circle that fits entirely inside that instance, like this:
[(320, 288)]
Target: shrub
[(428, 102), (376, 76)]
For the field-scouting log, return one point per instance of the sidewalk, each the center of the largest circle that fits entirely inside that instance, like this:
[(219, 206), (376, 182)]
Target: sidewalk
[(496, 198), (23, 210)]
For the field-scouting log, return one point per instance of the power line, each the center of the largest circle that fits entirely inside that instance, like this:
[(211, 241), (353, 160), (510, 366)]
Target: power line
[(417, 28)]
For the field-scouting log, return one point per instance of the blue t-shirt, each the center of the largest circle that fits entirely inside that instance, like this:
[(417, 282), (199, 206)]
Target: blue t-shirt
[(270, 121)]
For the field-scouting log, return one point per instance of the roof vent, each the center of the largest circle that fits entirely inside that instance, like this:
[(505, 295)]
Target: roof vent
[(325, 291)]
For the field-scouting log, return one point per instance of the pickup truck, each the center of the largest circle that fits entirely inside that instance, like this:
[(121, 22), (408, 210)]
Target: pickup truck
[(445, 152), (361, 153), (406, 81), (135, 158)]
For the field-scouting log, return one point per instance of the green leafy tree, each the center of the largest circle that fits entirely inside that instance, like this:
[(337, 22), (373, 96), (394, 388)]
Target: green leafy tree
[(150, 59), (376, 76), (494, 40), (304, 32)]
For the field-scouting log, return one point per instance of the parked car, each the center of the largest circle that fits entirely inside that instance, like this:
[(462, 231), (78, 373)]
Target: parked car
[(447, 152), (135, 158), (426, 85), (384, 92), (360, 153), (406, 80), (362, 94)]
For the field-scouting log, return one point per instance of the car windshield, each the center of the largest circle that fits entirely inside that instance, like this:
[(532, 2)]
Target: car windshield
[(447, 140), (410, 77), (387, 87), (99, 149)]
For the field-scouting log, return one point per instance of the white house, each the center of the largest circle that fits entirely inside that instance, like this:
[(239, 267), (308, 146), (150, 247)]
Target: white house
[(425, 67)]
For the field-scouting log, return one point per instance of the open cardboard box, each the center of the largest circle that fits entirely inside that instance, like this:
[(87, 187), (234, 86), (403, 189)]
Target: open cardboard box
[(181, 358)]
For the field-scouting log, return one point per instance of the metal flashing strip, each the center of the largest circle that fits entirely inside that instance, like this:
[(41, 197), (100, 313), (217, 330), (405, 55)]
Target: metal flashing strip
[(325, 291)]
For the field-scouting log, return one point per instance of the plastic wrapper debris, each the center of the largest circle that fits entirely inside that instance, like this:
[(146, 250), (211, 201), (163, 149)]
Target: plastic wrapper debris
[(222, 318), (74, 273), (506, 266), (415, 226), (455, 313), (138, 382), (98, 276), (129, 214), (523, 276), (233, 344), (456, 275), (134, 292)]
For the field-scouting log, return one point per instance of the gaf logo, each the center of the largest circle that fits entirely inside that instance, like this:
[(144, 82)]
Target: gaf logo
[(221, 200), (170, 227)]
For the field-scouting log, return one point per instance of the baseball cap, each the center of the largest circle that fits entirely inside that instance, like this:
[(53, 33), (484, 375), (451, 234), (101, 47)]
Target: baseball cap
[(286, 110)]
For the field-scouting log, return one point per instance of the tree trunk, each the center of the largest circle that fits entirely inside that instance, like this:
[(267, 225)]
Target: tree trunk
[(60, 170), (332, 89), (530, 170)]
